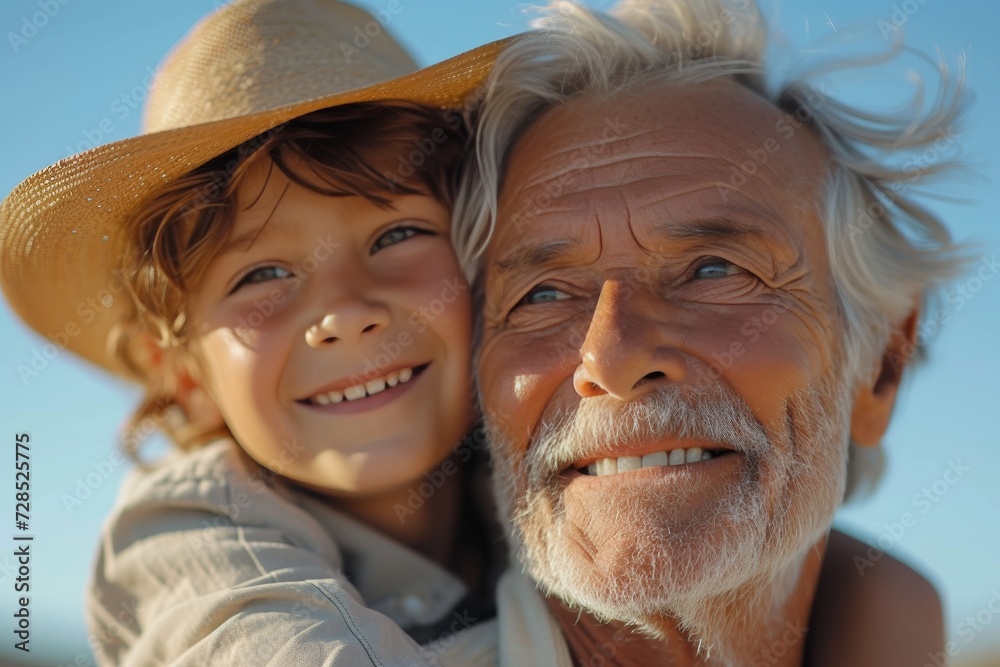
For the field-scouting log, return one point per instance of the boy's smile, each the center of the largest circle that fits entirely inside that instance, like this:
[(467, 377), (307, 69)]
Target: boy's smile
[(340, 327), (343, 398)]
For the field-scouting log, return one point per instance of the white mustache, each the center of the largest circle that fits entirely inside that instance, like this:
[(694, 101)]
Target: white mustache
[(714, 413)]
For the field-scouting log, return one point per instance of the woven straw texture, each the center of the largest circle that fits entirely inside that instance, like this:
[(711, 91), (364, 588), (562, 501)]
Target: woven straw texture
[(244, 70)]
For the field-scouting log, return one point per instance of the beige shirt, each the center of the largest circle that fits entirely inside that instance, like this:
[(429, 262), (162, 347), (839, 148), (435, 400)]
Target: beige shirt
[(211, 560)]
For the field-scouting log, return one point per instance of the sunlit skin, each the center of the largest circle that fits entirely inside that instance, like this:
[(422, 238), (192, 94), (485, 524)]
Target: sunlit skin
[(628, 259), (329, 292)]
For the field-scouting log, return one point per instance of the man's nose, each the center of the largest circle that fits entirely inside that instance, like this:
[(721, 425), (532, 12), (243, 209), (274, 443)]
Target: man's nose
[(347, 319), (626, 350)]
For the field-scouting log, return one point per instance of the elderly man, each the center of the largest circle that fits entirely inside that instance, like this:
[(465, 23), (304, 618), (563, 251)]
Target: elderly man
[(696, 294)]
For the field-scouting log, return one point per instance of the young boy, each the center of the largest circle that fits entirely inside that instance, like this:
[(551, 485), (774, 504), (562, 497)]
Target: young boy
[(277, 300), (302, 330)]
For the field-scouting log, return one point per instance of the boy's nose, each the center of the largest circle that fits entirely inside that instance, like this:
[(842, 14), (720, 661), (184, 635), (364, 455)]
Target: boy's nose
[(348, 322)]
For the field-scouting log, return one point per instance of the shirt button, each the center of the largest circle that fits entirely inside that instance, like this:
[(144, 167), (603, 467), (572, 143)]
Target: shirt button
[(415, 606)]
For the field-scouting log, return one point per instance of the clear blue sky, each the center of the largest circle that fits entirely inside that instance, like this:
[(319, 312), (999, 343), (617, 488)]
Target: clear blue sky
[(81, 74)]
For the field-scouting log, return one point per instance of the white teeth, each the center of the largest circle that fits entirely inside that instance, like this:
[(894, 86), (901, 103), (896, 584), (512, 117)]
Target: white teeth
[(611, 466), (355, 392), (627, 463), (369, 388), (655, 459)]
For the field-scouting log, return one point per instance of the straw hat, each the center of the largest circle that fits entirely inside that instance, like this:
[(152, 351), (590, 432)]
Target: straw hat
[(244, 69)]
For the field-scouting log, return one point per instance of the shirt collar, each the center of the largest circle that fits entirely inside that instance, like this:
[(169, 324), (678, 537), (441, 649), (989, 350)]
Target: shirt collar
[(392, 578)]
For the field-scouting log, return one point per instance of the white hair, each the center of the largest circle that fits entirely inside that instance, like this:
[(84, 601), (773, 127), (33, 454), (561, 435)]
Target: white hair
[(887, 253)]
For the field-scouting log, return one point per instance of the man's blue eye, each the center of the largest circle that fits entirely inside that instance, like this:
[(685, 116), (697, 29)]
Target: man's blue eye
[(394, 236), (262, 275), (542, 294), (716, 268)]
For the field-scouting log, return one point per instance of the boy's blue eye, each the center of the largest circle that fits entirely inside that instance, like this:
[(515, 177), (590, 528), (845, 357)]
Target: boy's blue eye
[(262, 275), (715, 268), (396, 235), (542, 294)]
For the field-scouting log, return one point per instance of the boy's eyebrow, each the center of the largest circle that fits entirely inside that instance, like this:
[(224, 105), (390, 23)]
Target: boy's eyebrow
[(242, 241), (251, 236), (246, 240)]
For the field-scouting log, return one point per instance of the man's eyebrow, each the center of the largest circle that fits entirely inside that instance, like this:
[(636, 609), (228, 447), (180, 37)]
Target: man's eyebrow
[(527, 257), (718, 228), (711, 228)]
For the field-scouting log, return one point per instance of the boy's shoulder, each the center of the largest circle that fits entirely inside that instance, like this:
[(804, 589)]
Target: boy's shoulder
[(216, 485), (212, 472)]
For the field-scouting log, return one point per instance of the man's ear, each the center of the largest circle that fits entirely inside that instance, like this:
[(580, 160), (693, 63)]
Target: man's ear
[(873, 401)]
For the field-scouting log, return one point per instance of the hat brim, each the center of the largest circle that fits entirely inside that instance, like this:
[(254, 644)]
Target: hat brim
[(60, 229)]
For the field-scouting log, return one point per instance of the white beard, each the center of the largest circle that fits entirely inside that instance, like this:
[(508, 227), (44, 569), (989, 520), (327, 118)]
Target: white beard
[(721, 576)]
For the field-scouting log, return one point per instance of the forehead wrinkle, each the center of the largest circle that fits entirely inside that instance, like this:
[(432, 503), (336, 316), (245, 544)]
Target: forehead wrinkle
[(805, 173), (659, 197), (542, 175), (585, 147), (565, 206), (741, 203), (631, 162), (529, 253)]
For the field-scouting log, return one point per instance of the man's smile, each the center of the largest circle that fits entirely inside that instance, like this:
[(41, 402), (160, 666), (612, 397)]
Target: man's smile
[(661, 459), (649, 455), (718, 461)]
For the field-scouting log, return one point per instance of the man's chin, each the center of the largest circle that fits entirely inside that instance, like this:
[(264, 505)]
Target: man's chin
[(633, 555)]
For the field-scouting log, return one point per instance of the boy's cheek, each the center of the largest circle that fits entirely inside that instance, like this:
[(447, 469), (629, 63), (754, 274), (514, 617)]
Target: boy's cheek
[(229, 353), (417, 322)]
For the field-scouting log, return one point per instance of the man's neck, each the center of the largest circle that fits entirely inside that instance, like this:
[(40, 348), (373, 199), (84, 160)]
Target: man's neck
[(778, 642)]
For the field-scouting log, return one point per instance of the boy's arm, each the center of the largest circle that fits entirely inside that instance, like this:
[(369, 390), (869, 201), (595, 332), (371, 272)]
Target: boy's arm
[(189, 593), (207, 559)]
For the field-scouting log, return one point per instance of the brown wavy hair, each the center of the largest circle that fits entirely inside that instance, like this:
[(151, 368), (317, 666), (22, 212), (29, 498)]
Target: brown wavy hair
[(371, 150)]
